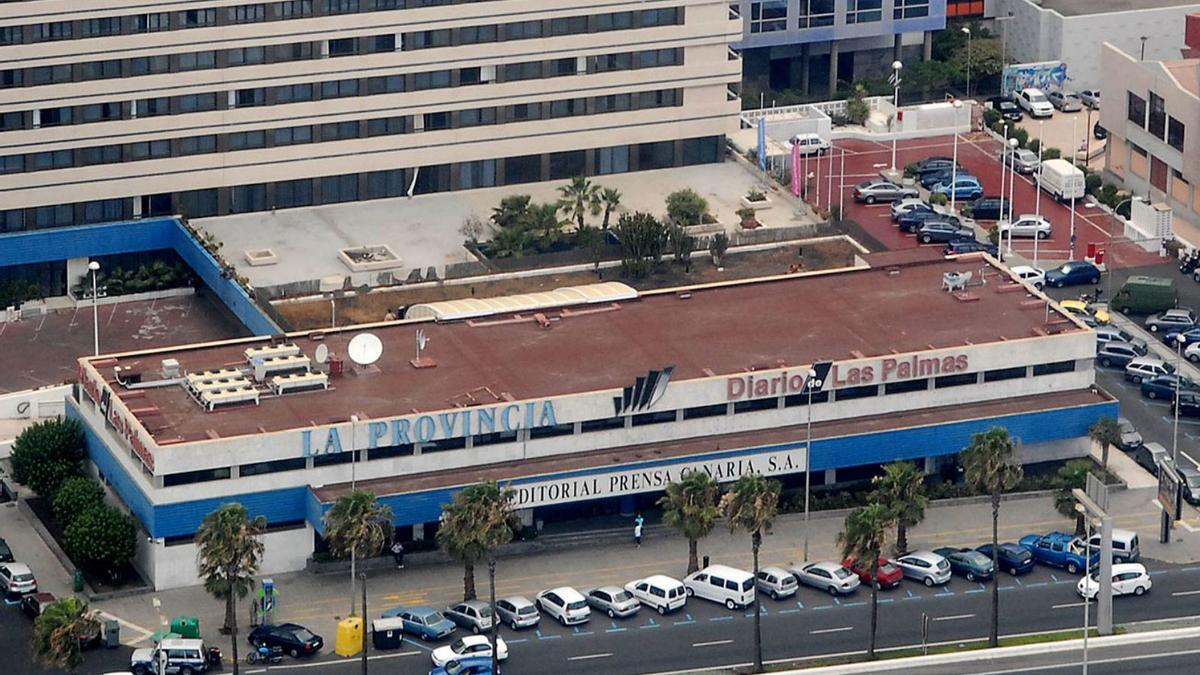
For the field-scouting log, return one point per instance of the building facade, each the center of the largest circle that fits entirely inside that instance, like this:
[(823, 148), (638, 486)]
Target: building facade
[(110, 112), (586, 401)]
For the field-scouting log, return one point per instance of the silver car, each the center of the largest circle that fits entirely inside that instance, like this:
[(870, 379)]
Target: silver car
[(925, 566), (1180, 318), (1027, 226), (776, 582), (518, 612), (474, 615), (1065, 101), (879, 190), (831, 577), (1022, 159), (613, 601), (1130, 438)]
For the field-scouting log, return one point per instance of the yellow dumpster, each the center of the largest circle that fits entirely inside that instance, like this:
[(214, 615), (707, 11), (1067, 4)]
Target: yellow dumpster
[(349, 636)]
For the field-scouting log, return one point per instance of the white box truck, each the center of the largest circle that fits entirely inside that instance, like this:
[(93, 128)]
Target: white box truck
[(1062, 179)]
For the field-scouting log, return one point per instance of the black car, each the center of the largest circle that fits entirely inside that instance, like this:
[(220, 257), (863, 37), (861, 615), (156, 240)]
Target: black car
[(930, 178), (6, 554), (912, 220), (971, 246), (943, 230), (933, 164), (1189, 404), (1010, 557), (1099, 132), (294, 639), (989, 208), (1008, 108)]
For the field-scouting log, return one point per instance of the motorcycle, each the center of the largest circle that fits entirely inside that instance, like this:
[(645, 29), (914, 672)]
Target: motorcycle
[(214, 657), (264, 654), (1190, 263)]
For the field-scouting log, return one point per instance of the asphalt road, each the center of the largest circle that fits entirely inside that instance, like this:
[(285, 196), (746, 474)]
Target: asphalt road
[(16, 637)]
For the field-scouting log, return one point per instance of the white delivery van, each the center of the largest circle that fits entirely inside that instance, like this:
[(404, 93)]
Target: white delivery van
[(658, 591), (731, 587), (1062, 179), (810, 144)]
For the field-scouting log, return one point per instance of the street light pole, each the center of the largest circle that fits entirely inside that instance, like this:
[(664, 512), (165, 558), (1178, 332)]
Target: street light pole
[(1038, 206), (95, 267), (896, 66), (1087, 602), (812, 376), (954, 164), (1179, 340), (1142, 57), (1012, 181), (1003, 177), (967, 30), (353, 457), (1074, 151)]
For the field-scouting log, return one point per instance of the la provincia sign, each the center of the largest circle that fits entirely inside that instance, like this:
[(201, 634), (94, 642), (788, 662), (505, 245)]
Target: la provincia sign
[(633, 481)]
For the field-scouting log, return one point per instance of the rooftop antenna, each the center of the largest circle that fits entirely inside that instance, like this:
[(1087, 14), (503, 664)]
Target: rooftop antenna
[(322, 353), (421, 361), (365, 349)]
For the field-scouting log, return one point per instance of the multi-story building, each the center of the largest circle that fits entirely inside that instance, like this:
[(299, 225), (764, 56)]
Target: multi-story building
[(120, 110)]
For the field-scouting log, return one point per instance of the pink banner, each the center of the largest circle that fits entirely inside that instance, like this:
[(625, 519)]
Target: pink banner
[(796, 169)]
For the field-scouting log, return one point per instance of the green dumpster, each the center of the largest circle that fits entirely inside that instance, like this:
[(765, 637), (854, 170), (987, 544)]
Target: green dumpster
[(186, 626)]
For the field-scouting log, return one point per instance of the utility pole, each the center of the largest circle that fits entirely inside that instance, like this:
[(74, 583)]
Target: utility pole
[(495, 619), (364, 624)]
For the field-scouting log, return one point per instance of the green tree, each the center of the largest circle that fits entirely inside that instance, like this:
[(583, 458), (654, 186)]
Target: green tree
[(229, 551), (510, 242), (901, 489), (578, 198), (751, 505), (511, 211), (857, 108), (75, 496), (610, 199), (691, 505), (863, 538), (685, 207), (47, 453), (101, 538), (682, 245), (1107, 433), (543, 218), (479, 519), (987, 60), (717, 246), (59, 630), (990, 465), (1071, 476), (357, 525), (641, 237)]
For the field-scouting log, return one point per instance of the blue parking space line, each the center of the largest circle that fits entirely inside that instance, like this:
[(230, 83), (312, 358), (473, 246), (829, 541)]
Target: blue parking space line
[(575, 629), (538, 632), (854, 604), (1018, 581), (684, 623), (1039, 584), (789, 611), (1193, 568), (616, 630), (800, 604), (887, 600), (837, 601), (913, 597), (1052, 576), (823, 607), (976, 590), (418, 645), (1156, 572), (1063, 581), (652, 622), (549, 637), (689, 617), (583, 632), (517, 641), (725, 617), (1007, 588), (910, 593)]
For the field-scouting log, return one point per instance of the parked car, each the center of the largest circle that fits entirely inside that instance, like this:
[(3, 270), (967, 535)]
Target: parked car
[(925, 566), (903, 206), (1172, 337), (1031, 275), (34, 603), (809, 144), (878, 190), (17, 579), (1073, 273), (564, 604), (776, 582), (965, 187), (1189, 479), (1062, 179), (1099, 132), (659, 592), (1023, 160), (971, 246), (294, 639), (1163, 386), (828, 576), (1146, 366), (6, 554), (1130, 438), (1189, 405), (473, 615), (989, 208), (469, 665), (932, 178), (469, 646), (1149, 455), (1111, 333), (888, 575), (422, 621), (1127, 579), (613, 601), (171, 655), (1090, 97), (909, 222), (1034, 102), (1192, 352), (1008, 109), (725, 585), (1180, 318), (1118, 354), (1059, 549), (935, 163), (1088, 313), (942, 231), (1065, 101), (971, 564), (1125, 547), (518, 612), (1011, 558), (1027, 226), (1145, 295)]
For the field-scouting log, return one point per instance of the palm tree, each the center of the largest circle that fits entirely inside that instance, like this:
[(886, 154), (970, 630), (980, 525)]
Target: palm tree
[(544, 217), (751, 505), (1106, 432), (1071, 475), (990, 466), (901, 489), (228, 555), (511, 211), (690, 506), (358, 525), (578, 198), (610, 199), (58, 631), (863, 538), (478, 520)]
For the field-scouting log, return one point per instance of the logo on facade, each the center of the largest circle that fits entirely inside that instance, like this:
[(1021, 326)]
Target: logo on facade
[(644, 393)]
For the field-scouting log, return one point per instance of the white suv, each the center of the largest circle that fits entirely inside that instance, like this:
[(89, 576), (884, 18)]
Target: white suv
[(659, 592), (1035, 103), (565, 604)]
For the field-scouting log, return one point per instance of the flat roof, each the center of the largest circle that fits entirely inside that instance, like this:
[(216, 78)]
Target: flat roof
[(722, 329), (620, 457), (1083, 7), (1186, 72)]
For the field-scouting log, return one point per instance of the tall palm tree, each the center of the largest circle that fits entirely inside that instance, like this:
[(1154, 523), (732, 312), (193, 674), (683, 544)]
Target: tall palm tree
[(1106, 432), (691, 506), (751, 505), (610, 199), (901, 489), (479, 519), (229, 552), (863, 538), (58, 630), (358, 525), (579, 197), (990, 466)]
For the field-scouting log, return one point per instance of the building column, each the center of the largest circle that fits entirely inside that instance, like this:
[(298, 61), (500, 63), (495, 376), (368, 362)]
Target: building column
[(927, 48), (419, 532), (897, 44), (628, 506), (803, 65), (830, 476), (525, 516), (833, 68), (76, 268), (931, 464)]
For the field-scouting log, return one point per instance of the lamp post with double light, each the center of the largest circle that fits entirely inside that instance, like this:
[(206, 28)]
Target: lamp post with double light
[(954, 164), (896, 66), (967, 31), (95, 268)]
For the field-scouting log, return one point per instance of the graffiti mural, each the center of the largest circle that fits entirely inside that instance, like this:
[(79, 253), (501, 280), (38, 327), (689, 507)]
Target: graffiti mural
[(1047, 75)]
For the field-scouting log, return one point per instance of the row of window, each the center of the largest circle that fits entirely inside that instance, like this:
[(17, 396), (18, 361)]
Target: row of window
[(768, 16), (335, 131), (642, 419), (1153, 118), (524, 30)]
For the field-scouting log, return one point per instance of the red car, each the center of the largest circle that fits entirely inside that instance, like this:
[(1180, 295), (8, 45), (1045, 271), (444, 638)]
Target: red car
[(889, 575)]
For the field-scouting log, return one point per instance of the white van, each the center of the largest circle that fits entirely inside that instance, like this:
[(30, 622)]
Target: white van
[(659, 592), (1062, 179), (1124, 545), (731, 587), (182, 655), (810, 144)]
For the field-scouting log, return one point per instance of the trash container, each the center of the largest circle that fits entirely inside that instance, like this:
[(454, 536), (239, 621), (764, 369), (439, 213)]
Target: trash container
[(112, 633), (77, 581), (387, 633), (186, 626), (349, 636)]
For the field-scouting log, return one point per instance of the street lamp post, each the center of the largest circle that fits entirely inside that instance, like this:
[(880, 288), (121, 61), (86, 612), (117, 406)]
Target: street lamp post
[(1142, 57), (1087, 572), (353, 457), (1074, 151), (1179, 340), (1038, 205), (967, 31), (810, 382), (1003, 177), (954, 164), (1012, 181), (896, 66), (95, 267)]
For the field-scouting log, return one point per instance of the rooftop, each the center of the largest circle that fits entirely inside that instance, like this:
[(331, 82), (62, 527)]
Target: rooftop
[(1186, 72), (1085, 7), (709, 331)]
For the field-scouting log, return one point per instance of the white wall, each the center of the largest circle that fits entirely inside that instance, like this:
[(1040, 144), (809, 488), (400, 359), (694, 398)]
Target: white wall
[(175, 566), (34, 403)]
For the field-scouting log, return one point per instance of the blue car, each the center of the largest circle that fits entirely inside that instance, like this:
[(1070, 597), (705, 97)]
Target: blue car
[(913, 220), (1163, 386), (971, 246), (470, 665), (1060, 549), (424, 622), (931, 178), (1015, 560), (965, 187), (1190, 336), (1073, 273)]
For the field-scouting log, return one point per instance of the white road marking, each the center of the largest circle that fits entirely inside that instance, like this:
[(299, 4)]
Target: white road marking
[(712, 644), (1193, 459), (956, 617), (1067, 604), (585, 657), (830, 630), (1185, 593)]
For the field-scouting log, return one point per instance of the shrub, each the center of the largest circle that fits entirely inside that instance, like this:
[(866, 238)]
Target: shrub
[(1051, 153), (1033, 145), (76, 496), (938, 198), (991, 116), (102, 538), (857, 109), (745, 213), (685, 207), (755, 195), (911, 169), (1022, 137), (47, 453), (1093, 182)]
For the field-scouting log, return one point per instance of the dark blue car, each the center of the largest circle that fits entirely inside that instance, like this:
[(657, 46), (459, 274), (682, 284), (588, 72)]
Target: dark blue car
[(1163, 386), (971, 246), (1073, 273), (932, 178), (468, 665), (914, 219), (424, 622), (1190, 336), (1010, 557)]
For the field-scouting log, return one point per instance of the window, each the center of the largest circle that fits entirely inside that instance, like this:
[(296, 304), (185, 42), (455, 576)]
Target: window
[(611, 103), (386, 126), (339, 189), (903, 387), (382, 184), (247, 140), (494, 438), (293, 93), (768, 16), (100, 112), (339, 88), (1137, 110), (336, 131), (662, 98), (613, 160), (295, 9), (11, 35), (522, 30), (602, 424), (615, 21), (849, 393), (911, 9), (200, 476), (530, 70), (245, 56), (385, 84), (248, 13), (197, 18), (1157, 124), (11, 121), (955, 380), (715, 410), (150, 150), (568, 107), (198, 102), (152, 23), (656, 155), (427, 38), (62, 215), (471, 35), (109, 25), (381, 43), (705, 150), (104, 210), (560, 67), (816, 13), (53, 159), (295, 51), (960, 8), (436, 120), (246, 98), (477, 174), (293, 193), (332, 458), (150, 65), (469, 76), (385, 4), (53, 117), (10, 78), (100, 70), (567, 164), (341, 6), (521, 112), (12, 164), (754, 405), (609, 62), (793, 400), (386, 452), (342, 47), (864, 11), (198, 145), (259, 468), (57, 30), (293, 135), (569, 25), (436, 79), (668, 16), (1175, 133), (197, 60), (149, 107), (444, 445), (1004, 374), (12, 220), (1053, 368)]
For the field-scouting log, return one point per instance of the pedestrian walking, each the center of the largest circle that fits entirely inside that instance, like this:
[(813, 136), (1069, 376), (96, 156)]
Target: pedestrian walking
[(398, 554), (637, 532)]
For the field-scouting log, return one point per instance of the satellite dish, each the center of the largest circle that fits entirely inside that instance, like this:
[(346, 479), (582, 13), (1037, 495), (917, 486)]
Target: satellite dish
[(365, 349), (322, 353)]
